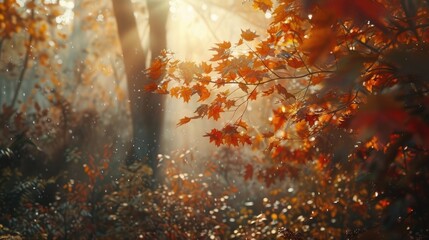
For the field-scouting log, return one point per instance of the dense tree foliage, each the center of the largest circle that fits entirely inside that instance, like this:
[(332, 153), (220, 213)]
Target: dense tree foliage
[(347, 83), (324, 124)]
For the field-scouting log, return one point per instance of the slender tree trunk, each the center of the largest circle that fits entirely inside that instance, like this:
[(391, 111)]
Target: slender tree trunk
[(146, 108), (154, 117)]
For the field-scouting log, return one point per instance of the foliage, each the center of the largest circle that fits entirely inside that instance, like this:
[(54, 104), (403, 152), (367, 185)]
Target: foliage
[(347, 82), (338, 151)]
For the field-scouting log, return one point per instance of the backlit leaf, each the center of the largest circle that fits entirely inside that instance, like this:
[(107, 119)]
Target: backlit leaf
[(248, 35)]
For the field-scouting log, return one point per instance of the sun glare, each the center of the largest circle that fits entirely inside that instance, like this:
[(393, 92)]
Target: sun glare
[(67, 16)]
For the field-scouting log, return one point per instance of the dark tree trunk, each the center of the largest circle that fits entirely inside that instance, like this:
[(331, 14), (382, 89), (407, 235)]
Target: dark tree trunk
[(146, 108)]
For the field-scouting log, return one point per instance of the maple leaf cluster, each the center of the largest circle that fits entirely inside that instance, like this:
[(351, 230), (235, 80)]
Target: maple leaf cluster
[(346, 81)]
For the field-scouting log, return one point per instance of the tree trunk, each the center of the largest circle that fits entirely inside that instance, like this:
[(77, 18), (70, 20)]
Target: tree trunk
[(146, 108)]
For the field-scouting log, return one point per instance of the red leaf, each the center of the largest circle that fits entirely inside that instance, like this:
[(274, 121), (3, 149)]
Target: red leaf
[(215, 136), (319, 44), (311, 119), (295, 63), (248, 172), (151, 87)]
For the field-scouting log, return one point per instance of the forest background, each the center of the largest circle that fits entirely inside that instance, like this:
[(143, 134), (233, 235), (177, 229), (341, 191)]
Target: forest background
[(316, 111)]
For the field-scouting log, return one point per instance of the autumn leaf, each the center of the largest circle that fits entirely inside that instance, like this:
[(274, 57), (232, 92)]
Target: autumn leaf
[(263, 5), (215, 136), (202, 110), (248, 35), (268, 92), (301, 129), (188, 71), (151, 87), (245, 139), (207, 68), (229, 104), (381, 114), (311, 119), (183, 121), (318, 45), (295, 63), (264, 49), (222, 51), (242, 124), (186, 93), (253, 95), (359, 10), (175, 92), (163, 88), (316, 79), (282, 91), (279, 118), (280, 13), (243, 87), (156, 69), (248, 172), (202, 91), (214, 111)]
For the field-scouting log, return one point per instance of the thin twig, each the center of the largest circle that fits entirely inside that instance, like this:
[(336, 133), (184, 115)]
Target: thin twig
[(23, 70)]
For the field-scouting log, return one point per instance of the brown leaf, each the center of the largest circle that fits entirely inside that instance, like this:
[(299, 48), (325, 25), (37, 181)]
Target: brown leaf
[(282, 91)]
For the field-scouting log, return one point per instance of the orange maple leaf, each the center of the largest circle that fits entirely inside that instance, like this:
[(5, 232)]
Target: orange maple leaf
[(174, 92), (279, 119), (253, 95), (156, 69), (202, 91), (184, 120), (265, 49), (214, 111), (186, 93), (207, 68), (222, 51), (248, 35), (263, 5)]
